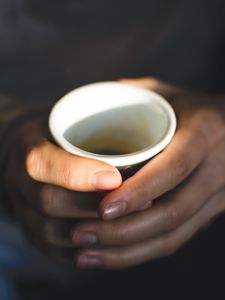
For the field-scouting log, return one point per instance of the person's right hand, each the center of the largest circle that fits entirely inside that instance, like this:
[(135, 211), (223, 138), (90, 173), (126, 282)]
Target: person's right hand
[(51, 189)]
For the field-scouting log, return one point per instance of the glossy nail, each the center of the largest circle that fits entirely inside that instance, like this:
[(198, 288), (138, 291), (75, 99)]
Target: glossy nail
[(114, 210)]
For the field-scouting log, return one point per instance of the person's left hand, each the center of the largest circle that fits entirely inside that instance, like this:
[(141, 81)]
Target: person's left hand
[(156, 211)]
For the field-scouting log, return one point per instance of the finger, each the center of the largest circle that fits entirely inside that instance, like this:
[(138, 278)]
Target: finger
[(51, 231), (165, 245), (57, 202), (166, 216), (160, 175), (48, 163), (64, 255), (51, 200), (154, 84), (187, 150)]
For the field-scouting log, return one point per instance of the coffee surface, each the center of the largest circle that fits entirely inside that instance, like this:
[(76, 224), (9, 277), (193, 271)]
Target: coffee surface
[(108, 146), (116, 131)]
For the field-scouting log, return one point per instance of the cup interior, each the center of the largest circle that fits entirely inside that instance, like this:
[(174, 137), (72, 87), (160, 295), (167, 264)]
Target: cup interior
[(135, 120)]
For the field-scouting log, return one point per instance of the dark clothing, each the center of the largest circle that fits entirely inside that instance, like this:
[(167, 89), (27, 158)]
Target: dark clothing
[(48, 47), (53, 46)]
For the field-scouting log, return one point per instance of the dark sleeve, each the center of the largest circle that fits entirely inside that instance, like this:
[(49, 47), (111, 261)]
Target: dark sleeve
[(13, 114)]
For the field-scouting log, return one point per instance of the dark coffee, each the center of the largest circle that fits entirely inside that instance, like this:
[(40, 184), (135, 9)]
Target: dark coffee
[(107, 146), (112, 132)]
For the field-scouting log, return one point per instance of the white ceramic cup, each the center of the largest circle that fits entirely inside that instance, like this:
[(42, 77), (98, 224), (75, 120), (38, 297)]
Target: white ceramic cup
[(113, 109)]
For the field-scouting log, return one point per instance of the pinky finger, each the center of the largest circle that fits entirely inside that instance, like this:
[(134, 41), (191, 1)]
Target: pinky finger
[(163, 246)]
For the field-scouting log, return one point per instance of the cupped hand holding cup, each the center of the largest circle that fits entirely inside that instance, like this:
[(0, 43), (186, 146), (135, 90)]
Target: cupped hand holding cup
[(116, 123), (172, 185)]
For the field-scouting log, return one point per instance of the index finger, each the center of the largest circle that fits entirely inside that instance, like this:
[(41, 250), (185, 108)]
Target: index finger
[(186, 151)]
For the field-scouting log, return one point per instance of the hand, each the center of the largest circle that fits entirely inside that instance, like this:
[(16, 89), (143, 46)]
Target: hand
[(161, 207), (50, 189)]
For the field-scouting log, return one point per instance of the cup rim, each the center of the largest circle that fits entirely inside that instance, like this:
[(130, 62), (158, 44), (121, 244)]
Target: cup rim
[(123, 160)]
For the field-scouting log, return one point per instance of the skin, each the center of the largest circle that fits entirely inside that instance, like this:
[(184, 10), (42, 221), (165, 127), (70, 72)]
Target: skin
[(59, 197)]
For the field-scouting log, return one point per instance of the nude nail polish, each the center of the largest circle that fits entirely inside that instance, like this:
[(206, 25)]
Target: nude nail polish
[(114, 210)]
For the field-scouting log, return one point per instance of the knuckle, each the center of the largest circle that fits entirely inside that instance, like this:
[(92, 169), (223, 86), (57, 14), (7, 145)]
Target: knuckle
[(48, 194), (121, 236), (180, 167), (118, 235), (173, 217), (65, 176)]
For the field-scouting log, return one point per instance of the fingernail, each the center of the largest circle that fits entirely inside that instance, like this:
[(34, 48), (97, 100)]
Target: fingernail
[(105, 180), (84, 238), (88, 261), (114, 210)]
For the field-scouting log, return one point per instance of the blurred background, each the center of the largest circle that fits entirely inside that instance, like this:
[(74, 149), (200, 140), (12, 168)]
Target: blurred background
[(50, 47)]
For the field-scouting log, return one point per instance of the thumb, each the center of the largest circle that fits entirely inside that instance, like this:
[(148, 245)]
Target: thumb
[(48, 163)]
